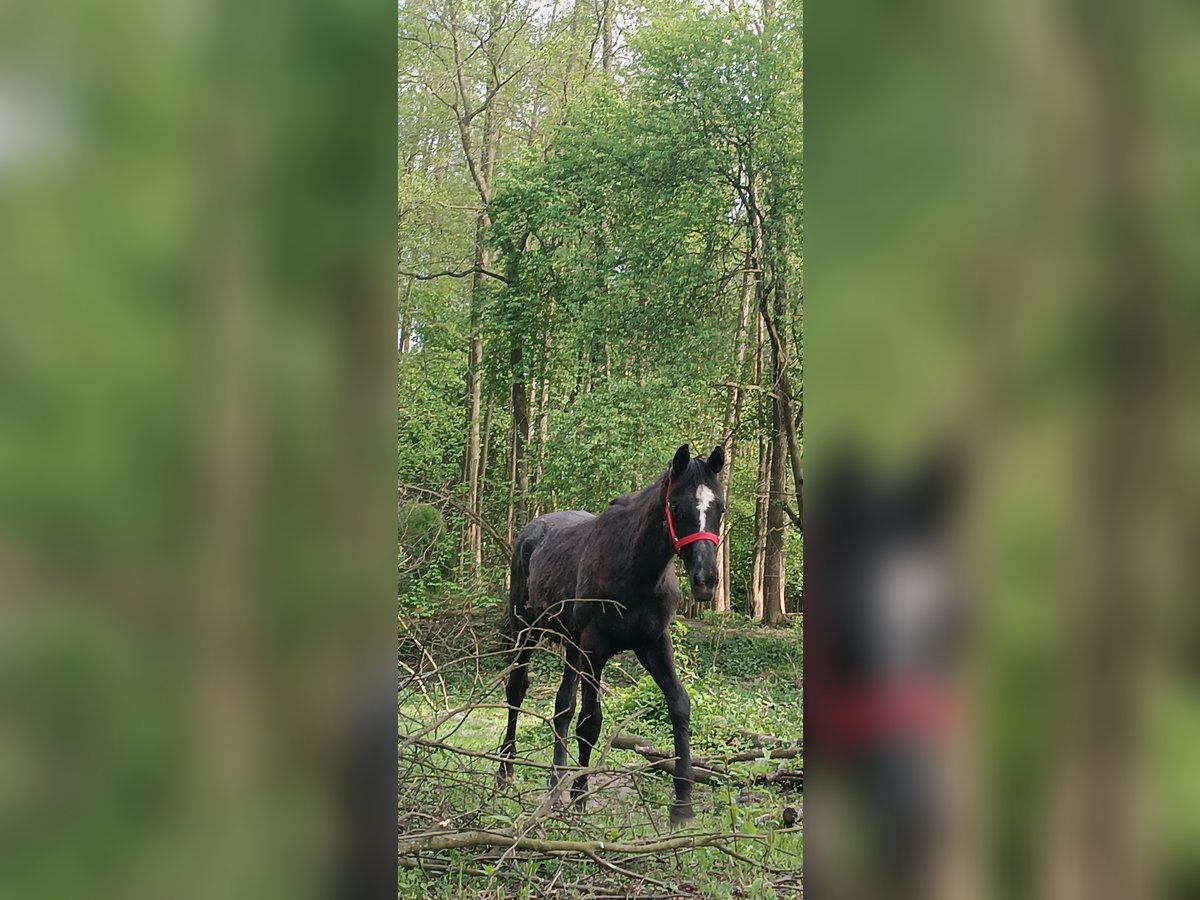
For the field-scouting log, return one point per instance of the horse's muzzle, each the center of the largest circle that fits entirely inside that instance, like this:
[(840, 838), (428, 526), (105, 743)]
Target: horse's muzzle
[(704, 586), (700, 560)]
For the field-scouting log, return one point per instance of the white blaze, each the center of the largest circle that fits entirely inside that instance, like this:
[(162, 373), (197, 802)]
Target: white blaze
[(704, 499)]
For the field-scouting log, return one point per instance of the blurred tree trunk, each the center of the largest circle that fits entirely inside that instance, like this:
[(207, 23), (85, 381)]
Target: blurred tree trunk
[(1100, 845)]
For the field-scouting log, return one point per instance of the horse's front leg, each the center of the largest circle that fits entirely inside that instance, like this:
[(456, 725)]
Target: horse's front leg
[(659, 660)]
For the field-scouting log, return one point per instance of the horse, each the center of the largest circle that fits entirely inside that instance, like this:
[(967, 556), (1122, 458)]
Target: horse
[(601, 584)]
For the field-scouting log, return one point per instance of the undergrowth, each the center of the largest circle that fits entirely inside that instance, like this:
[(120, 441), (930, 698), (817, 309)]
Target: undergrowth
[(743, 679)]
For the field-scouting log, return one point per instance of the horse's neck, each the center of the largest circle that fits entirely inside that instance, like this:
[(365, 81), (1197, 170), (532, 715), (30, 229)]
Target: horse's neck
[(651, 550)]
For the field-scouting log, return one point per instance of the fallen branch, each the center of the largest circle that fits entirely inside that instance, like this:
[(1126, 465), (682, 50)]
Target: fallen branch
[(702, 773), (775, 753), (760, 740), (705, 772)]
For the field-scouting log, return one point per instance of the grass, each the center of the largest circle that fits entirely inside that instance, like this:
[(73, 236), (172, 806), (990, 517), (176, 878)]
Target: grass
[(741, 678)]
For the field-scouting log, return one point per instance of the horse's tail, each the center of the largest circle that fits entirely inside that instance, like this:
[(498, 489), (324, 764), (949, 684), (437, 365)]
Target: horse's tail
[(518, 588)]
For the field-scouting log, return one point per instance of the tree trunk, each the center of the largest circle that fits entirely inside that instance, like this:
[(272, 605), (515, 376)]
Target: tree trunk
[(520, 432)]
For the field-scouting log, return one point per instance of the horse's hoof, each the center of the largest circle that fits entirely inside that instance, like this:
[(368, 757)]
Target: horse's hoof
[(682, 816)]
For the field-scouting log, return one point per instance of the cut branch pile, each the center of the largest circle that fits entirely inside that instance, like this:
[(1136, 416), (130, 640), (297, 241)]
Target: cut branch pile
[(452, 840)]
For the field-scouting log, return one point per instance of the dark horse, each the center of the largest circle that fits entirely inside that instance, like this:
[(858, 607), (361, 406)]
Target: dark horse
[(600, 584)]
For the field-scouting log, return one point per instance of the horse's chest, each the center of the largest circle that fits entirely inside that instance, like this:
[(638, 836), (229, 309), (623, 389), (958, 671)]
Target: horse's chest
[(632, 625)]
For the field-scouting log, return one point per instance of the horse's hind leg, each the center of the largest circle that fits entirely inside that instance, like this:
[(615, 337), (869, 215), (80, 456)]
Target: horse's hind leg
[(590, 719), (564, 711), (518, 684)]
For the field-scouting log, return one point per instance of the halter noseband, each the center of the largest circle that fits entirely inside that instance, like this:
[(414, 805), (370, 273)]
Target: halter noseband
[(680, 542)]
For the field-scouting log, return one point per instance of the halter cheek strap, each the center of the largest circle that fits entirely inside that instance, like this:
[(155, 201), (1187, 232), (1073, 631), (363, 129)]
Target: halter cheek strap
[(680, 542)]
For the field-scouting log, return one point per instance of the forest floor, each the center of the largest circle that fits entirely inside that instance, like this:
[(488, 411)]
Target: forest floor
[(745, 683)]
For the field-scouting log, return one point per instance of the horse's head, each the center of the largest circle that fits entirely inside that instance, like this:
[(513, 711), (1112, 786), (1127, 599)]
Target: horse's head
[(694, 507)]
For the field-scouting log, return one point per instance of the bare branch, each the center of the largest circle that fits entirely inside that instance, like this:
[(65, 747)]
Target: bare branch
[(453, 273)]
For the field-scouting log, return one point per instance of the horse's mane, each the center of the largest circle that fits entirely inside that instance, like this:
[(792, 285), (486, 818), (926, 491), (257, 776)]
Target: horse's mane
[(643, 506)]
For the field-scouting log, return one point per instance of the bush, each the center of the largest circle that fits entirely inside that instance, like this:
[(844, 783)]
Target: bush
[(424, 551)]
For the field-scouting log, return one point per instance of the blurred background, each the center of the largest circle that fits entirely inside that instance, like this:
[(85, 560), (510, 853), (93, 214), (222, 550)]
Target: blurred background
[(196, 422), (1001, 232), (196, 458)]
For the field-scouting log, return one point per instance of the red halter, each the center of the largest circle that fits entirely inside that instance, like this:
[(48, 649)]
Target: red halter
[(680, 542)]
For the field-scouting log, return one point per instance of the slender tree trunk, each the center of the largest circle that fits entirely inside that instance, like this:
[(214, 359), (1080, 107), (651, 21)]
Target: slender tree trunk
[(775, 561), (474, 536), (754, 600), (732, 411), (510, 520), (406, 318), (543, 414), (520, 432), (485, 450), (607, 14), (774, 250), (721, 603), (783, 439)]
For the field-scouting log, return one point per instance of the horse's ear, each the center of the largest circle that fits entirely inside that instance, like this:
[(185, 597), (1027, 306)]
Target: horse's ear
[(716, 459), (937, 487), (682, 457)]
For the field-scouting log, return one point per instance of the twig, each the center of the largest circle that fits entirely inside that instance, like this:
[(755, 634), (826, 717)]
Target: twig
[(626, 872)]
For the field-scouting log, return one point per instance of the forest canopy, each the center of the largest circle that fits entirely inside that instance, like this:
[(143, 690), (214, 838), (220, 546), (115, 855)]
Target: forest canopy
[(599, 237)]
